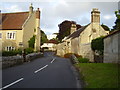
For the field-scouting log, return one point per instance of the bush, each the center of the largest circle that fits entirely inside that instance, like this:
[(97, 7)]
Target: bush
[(31, 42), (11, 53), (29, 50), (83, 60), (98, 44), (68, 55)]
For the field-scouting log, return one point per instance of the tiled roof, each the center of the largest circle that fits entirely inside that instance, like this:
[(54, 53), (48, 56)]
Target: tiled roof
[(13, 21), (77, 33), (52, 41)]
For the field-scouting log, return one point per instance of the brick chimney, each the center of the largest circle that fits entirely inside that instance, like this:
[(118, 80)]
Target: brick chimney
[(95, 16), (38, 13)]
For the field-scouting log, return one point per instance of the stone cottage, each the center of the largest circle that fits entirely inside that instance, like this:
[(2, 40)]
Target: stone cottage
[(112, 47), (17, 29), (79, 41)]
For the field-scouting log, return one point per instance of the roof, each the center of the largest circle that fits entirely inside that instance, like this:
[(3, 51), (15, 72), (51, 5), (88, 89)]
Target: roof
[(112, 33), (13, 21), (52, 41), (77, 33)]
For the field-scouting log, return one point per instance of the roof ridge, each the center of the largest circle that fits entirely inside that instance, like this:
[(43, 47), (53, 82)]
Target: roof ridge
[(16, 12)]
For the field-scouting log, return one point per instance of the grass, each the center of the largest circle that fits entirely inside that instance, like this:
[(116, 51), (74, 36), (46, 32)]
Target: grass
[(99, 75)]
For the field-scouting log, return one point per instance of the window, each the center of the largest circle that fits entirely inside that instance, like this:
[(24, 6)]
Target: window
[(0, 35), (10, 35), (9, 48)]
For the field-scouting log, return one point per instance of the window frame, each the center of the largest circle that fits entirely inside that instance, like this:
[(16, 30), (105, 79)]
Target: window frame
[(11, 35), (9, 48)]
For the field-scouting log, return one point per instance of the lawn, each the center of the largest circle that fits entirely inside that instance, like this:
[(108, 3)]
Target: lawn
[(99, 75)]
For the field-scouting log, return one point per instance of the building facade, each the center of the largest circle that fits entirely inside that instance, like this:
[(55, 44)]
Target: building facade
[(17, 29), (79, 41)]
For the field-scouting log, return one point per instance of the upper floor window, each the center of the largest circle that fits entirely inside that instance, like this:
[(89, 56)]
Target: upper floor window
[(10, 35), (0, 35)]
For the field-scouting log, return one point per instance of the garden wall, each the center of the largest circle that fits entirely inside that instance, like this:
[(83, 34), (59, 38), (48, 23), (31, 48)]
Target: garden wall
[(15, 60)]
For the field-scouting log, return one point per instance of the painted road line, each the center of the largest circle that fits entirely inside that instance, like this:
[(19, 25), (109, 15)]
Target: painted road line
[(52, 60), (41, 69), (12, 83)]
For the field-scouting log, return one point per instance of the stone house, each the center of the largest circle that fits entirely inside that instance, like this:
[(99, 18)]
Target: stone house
[(17, 29), (79, 41), (112, 47)]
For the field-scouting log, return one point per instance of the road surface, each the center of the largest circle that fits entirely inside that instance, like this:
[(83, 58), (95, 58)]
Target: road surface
[(47, 72)]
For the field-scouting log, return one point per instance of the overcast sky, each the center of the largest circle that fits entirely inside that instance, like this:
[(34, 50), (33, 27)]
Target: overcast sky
[(53, 13)]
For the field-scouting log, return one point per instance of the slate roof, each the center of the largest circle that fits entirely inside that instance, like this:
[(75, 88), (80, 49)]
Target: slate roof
[(112, 33), (13, 21), (77, 33)]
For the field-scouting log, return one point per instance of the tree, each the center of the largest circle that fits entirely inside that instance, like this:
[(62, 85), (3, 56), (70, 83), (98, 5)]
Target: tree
[(64, 29), (105, 27), (31, 42), (117, 22), (98, 45), (43, 37)]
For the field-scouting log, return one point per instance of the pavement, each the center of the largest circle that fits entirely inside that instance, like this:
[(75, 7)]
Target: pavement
[(49, 71)]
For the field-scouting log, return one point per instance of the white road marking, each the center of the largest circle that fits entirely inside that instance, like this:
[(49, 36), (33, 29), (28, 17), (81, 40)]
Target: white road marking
[(52, 60), (40, 69), (12, 83)]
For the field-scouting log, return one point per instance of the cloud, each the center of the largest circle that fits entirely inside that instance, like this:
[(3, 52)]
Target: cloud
[(53, 12), (107, 17)]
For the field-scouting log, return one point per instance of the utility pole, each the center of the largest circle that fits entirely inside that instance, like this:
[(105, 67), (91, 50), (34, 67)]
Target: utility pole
[(119, 7)]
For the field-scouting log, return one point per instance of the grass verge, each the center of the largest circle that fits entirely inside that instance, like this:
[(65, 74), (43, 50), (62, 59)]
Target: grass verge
[(99, 75)]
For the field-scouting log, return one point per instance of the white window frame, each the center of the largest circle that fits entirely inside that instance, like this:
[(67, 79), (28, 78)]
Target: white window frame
[(0, 35), (9, 48), (11, 35)]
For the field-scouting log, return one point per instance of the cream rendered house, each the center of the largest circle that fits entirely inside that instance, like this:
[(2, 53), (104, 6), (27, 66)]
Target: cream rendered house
[(17, 29), (79, 41)]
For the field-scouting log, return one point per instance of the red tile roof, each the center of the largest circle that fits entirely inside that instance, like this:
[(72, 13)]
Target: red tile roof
[(13, 21)]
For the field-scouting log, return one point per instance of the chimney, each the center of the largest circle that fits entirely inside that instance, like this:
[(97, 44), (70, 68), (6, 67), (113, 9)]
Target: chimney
[(38, 13), (95, 16), (73, 28), (30, 9)]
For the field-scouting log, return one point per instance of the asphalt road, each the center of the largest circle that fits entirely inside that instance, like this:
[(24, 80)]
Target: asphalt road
[(47, 72)]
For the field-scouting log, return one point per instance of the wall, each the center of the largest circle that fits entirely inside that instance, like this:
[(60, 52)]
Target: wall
[(28, 29), (10, 42), (15, 60), (112, 48), (86, 51), (61, 49)]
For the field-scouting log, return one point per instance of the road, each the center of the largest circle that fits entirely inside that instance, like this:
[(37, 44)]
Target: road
[(47, 72)]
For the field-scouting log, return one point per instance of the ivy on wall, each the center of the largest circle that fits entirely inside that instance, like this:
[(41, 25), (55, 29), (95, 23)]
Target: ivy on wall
[(98, 45), (31, 42)]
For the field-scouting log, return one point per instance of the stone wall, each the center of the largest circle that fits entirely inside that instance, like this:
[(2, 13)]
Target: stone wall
[(15, 60), (112, 48), (86, 51)]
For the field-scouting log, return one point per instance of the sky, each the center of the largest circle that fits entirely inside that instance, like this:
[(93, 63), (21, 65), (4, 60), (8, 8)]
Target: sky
[(53, 12)]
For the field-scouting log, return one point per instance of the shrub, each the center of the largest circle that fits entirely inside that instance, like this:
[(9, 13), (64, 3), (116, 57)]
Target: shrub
[(29, 50), (78, 56), (31, 42), (11, 53), (83, 60), (98, 44), (68, 55)]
